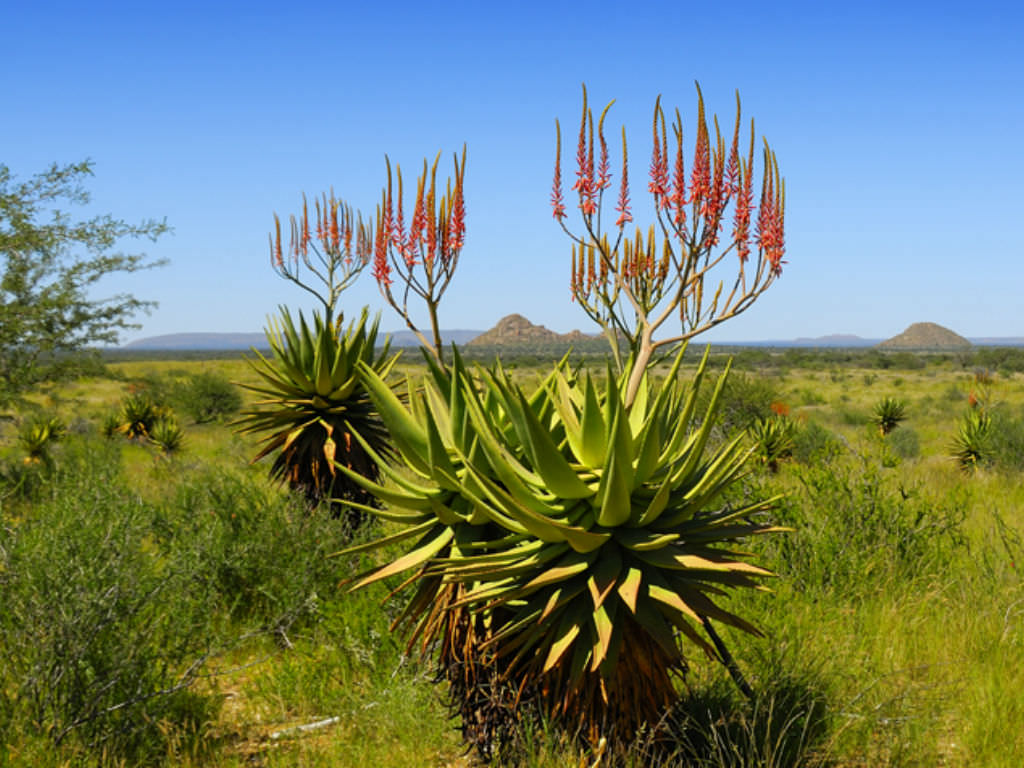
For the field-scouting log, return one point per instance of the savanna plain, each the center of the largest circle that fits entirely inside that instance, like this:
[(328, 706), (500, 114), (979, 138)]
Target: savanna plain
[(165, 603)]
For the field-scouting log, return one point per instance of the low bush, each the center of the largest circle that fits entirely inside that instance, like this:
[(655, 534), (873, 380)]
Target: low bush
[(259, 551), (100, 641), (207, 396), (859, 527), (814, 444)]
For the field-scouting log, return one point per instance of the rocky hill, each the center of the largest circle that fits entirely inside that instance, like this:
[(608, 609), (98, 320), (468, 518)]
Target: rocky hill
[(516, 330), (926, 336)]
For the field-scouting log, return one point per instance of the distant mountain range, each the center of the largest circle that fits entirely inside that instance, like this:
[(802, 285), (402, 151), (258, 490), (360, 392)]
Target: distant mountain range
[(242, 341), (515, 330)]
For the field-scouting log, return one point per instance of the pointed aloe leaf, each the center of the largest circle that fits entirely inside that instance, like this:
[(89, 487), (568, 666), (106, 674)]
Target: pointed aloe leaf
[(615, 486), (408, 434), (558, 476), (629, 588), (657, 505), (568, 630), (543, 527), (402, 535), (604, 574), (592, 424), (604, 629), (385, 494), (432, 543), (571, 564)]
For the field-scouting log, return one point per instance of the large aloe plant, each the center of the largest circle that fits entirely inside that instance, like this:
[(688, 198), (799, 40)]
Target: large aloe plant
[(313, 398), (563, 537)]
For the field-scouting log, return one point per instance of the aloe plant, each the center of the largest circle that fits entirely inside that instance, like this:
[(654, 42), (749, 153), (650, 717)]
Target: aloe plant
[(888, 414), (972, 445), (313, 398), (563, 537), (774, 440), (36, 438), (137, 417)]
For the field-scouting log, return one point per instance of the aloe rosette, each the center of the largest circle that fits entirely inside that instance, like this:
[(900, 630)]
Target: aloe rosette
[(581, 536), (312, 393)]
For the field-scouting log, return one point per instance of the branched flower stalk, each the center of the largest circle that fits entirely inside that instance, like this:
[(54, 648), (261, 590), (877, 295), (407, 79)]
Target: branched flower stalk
[(424, 256), (334, 250), (632, 285)]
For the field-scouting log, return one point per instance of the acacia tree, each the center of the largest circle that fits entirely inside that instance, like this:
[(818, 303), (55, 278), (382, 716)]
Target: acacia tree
[(49, 261)]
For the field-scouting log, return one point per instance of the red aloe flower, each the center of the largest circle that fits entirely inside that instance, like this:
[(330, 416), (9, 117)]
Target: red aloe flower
[(678, 197), (381, 267), (457, 217), (622, 207), (658, 185)]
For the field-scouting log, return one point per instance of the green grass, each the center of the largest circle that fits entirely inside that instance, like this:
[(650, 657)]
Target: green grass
[(894, 631)]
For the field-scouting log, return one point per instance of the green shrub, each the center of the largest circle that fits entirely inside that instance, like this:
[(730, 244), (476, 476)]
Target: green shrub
[(207, 396), (905, 443), (1007, 440), (815, 444), (854, 520), (99, 640), (258, 552), (745, 400)]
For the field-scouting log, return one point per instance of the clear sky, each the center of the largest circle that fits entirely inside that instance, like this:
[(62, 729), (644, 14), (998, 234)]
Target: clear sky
[(897, 125)]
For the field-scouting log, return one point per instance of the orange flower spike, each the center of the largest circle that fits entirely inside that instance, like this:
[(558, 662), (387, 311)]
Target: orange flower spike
[(431, 215), (319, 218), (381, 266), (275, 244), (679, 176), (418, 223), (557, 201), (457, 212), (700, 176), (572, 274), (658, 185), (591, 272), (622, 206), (744, 200), (732, 169), (335, 229), (348, 229), (604, 174), (305, 227)]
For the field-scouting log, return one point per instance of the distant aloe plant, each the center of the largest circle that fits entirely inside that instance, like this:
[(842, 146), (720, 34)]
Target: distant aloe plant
[(37, 436), (887, 415), (774, 439), (971, 446)]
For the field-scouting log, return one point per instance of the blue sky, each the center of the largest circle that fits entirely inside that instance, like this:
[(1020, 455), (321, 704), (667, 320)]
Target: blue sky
[(898, 127)]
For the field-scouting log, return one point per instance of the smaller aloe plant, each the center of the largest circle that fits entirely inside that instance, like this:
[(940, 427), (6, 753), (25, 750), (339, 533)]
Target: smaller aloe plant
[(888, 414), (37, 436), (313, 399), (971, 446), (774, 440), (137, 417), (168, 436)]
